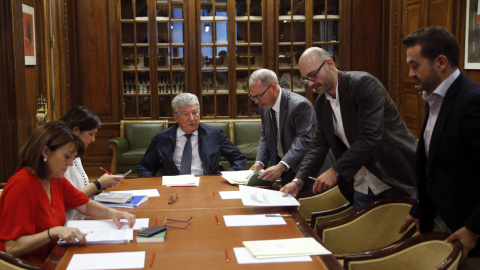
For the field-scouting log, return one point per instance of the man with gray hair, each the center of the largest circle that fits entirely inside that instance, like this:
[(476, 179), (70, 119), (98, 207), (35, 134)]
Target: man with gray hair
[(189, 147), (288, 125)]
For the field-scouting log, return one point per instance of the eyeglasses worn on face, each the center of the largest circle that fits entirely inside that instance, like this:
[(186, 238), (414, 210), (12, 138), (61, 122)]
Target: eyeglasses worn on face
[(260, 97), (312, 77)]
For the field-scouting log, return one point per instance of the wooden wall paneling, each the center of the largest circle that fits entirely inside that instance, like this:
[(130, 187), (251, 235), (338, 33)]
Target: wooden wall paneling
[(440, 13), (459, 29), (368, 37), (13, 125)]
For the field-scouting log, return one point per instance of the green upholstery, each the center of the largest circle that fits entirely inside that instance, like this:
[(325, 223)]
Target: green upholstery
[(246, 134), (330, 199), (129, 148), (427, 251), (372, 227), (223, 124)]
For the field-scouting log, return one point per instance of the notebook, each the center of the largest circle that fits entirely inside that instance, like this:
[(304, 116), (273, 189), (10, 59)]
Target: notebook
[(113, 197), (156, 238), (134, 202)]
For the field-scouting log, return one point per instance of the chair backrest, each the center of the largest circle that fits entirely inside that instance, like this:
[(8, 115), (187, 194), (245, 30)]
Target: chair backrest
[(139, 133), (327, 200), (372, 227), (246, 131), (225, 125), (426, 251), (10, 262)]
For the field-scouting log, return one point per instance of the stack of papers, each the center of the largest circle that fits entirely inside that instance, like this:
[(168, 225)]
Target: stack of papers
[(186, 180), (237, 177), (285, 248), (134, 202), (113, 197), (103, 231)]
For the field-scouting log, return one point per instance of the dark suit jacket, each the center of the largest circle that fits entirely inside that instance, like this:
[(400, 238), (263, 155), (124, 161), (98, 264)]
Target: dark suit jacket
[(378, 137), (297, 126), (449, 180), (212, 143)]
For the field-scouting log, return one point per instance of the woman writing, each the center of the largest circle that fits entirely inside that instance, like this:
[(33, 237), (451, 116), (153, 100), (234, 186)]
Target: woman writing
[(85, 125), (34, 200)]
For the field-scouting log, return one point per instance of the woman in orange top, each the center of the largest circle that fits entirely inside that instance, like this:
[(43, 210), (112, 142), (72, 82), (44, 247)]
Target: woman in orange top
[(34, 200)]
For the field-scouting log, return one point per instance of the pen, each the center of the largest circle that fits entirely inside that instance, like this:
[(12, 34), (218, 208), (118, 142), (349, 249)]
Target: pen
[(275, 215), (153, 257), (156, 222), (213, 192), (312, 178), (226, 254), (218, 223), (108, 173)]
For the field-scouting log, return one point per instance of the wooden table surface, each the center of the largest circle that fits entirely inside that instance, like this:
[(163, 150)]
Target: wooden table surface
[(201, 245)]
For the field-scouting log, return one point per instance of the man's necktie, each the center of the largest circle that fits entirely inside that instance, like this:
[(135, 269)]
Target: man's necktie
[(272, 140), (186, 163)]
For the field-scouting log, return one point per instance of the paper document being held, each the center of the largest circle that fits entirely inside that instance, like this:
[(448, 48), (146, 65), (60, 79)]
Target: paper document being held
[(285, 247), (237, 177), (101, 231), (253, 196)]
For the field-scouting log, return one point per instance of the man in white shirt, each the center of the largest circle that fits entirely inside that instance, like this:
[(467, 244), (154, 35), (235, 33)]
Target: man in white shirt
[(374, 150)]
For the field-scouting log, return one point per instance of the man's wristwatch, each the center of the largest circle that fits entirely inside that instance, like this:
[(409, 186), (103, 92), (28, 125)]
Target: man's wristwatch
[(299, 182)]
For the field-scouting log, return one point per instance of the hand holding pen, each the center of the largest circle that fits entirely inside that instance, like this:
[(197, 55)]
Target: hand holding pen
[(108, 180)]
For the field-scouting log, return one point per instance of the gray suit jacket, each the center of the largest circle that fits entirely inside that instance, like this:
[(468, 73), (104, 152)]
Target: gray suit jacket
[(297, 126), (378, 137)]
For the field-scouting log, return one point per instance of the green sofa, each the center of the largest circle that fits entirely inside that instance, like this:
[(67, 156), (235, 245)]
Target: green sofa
[(129, 148), (136, 135)]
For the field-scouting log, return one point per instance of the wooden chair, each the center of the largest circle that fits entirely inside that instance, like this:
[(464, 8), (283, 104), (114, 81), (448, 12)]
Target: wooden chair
[(328, 202), (10, 262), (425, 251), (371, 227)]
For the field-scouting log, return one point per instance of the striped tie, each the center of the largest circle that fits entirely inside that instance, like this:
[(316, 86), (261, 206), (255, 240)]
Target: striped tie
[(272, 140)]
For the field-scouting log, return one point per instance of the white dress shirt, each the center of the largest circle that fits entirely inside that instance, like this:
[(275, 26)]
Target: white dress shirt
[(435, 101), (177, 154), (79, 179), (364, 179)]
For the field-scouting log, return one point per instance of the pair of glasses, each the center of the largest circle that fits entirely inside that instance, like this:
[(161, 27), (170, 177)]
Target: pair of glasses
[(173, 198), (177, 220), (259, 97), (312, 77)]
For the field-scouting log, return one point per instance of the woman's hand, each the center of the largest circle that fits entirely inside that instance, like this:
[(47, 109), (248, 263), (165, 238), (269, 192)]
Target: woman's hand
[(117, 215), (108, 180), (69, 235)]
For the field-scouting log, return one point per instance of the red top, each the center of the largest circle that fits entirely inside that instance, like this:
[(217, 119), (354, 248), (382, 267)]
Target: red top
[(26, 210)]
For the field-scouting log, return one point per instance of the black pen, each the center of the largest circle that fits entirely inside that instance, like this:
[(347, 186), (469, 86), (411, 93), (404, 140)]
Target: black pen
[(277, 215)]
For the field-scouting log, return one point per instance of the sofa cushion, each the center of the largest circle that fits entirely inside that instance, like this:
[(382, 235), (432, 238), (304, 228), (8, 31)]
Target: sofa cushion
[(132, 157), (249, 150), (246, 132), (139, 135), (224, 125)]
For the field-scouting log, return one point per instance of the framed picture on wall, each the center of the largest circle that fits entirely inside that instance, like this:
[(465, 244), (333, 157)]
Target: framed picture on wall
[(472, 35), (29, 35)]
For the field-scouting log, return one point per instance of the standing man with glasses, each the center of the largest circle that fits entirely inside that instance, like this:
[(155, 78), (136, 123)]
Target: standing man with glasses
[(374, 150), (189, 147), (288, 124)]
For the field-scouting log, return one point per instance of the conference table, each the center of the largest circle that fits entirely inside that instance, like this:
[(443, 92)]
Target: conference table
[(202, 244)]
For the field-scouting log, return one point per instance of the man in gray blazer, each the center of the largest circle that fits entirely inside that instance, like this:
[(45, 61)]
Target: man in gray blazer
[(285, 140), (356, 118)]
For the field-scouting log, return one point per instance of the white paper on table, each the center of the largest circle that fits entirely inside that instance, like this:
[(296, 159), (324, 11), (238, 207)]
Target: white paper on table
[(244, 257), (252, 220), (114, 260), (103, 224), (229, 195), (253, 196), (285, 247), (140, 192), (181, 180)]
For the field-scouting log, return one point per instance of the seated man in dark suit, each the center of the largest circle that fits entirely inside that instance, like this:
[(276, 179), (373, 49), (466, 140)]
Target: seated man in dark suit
[(189, 147)]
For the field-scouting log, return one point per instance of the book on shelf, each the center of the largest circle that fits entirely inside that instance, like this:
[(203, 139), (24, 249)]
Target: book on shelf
[(134, 202), (113, 197), (156, 238)]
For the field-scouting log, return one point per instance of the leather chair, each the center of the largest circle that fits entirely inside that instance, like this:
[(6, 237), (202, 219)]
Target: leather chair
[(323, 205), (10, 262), (129, 148), (425, 251), (371, 227), (246, 134)]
